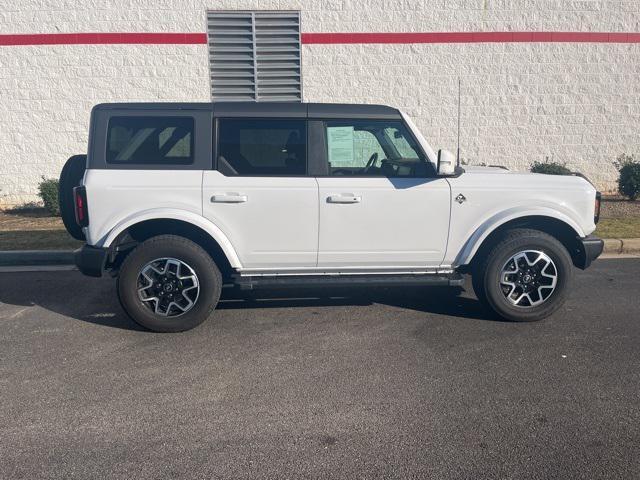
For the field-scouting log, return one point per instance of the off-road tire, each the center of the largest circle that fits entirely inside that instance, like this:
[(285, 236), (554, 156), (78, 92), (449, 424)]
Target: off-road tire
[(70, 177), (486, 274), (180, 248)]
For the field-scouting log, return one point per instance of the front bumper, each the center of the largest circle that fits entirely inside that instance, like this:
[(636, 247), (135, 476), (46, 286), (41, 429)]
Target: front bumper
[(91, 260), (590, 248)]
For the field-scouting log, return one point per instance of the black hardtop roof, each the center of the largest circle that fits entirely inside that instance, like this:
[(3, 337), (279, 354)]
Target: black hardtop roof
[(270, 109)]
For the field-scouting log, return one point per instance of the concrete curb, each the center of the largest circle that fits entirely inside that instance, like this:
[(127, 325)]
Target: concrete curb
[(35, 257), (621, 245), (612, 246)]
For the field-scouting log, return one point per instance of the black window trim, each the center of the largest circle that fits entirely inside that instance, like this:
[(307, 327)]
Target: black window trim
[(216, 138), (206, 132), (97, 148)]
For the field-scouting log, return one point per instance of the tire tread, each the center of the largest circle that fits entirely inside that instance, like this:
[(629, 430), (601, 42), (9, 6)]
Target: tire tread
[(506, 241), (70, 177), (187, 321)]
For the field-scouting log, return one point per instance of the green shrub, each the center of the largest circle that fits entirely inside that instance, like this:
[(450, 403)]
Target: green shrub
[(48, 189), (629, 179), (550, 168)]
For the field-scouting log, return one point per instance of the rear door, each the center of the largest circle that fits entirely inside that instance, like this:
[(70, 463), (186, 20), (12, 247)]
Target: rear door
[(381, 205), (259, 193)]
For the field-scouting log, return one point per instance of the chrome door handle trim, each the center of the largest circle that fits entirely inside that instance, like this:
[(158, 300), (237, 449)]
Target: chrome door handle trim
[(344, 199), (228, 198)]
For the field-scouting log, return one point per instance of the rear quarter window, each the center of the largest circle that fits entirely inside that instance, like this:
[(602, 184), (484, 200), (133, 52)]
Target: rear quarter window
[(150, 140)]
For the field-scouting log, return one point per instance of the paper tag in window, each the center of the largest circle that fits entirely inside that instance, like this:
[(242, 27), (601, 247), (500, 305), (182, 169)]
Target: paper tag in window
[(340, 144)]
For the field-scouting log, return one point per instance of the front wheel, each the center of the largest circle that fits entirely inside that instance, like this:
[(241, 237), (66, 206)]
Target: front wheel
[(169, 284), (525, 276)]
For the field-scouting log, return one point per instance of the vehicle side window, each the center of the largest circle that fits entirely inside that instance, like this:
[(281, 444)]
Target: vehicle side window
[(150, 140), (249, 147), (373, 148)]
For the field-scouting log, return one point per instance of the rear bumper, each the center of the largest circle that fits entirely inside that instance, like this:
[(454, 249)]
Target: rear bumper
[(91, 260), (590, 248)]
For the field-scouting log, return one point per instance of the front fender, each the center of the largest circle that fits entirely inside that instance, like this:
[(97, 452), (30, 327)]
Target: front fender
[(175, 214), (472, 245)]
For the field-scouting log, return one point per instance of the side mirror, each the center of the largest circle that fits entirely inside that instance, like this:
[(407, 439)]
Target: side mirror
[(446, 163)]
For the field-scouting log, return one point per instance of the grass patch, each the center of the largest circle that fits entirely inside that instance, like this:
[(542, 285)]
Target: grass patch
[(34, 229), (618, 227), (38, 240)]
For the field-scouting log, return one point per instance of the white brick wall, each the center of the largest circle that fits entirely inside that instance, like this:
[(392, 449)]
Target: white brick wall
[(574, 103)]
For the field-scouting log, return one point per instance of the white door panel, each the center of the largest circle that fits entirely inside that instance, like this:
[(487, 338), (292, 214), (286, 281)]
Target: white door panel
[(271, 221), (383, 222)]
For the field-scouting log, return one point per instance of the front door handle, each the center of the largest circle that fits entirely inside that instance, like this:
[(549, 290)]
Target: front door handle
[(228, 198), (344, 199)]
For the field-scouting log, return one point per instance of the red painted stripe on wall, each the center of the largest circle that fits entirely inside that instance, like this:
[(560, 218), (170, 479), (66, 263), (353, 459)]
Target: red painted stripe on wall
[(324, 38), (103, 38), (470, 37)]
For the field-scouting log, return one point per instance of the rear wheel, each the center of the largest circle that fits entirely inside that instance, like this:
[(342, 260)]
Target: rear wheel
[(525, 276), (169, 284), (70, 177)]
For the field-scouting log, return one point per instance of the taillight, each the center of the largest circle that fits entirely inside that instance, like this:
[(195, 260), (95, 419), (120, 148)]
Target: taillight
[(80, 200), (596, 211)]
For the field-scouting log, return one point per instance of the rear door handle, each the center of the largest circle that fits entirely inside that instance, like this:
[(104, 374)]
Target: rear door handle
[(345, 198), (228, 198)]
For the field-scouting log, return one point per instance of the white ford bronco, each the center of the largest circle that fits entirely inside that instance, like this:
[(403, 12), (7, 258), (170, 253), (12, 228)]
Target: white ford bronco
[(177, 200)]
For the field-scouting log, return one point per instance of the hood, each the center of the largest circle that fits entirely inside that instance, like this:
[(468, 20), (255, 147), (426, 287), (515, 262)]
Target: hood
[(486, 169), (498, 169), (526, 179)]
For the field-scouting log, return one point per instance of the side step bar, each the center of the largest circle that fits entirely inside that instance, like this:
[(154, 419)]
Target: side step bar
[(307, 281)]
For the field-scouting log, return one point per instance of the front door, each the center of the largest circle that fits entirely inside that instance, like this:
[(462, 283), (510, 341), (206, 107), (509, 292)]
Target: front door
[(380, 205), (260, 196)]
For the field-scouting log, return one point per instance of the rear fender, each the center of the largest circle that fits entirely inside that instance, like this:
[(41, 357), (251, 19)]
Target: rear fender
[(175, 214)]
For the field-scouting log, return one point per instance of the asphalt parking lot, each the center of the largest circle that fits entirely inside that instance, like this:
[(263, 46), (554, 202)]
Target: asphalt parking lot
[(418, 383)]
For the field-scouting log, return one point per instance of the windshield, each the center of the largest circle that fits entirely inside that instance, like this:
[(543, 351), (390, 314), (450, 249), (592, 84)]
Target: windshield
[(399, 145), (420, 138)]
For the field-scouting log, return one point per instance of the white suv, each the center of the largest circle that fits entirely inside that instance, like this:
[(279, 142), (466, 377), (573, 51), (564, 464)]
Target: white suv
[(178, 199)]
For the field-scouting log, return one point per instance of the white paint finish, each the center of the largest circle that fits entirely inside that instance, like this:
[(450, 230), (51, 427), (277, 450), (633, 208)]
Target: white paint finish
[(182, 215), (573, 103), (277, 225), (446, 163), (115, 196), (397, 222), (335, 224), (118, 199), (495, 196)]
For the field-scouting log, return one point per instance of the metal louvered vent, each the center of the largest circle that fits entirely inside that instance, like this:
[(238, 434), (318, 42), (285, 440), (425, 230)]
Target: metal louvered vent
[(254, 56)]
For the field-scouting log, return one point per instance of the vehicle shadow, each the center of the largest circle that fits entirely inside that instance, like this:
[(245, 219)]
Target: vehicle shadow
[(64, 293), (449, 301), (95, 300)]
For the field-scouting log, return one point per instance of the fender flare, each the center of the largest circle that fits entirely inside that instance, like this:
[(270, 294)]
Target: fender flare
[(481, 233), (176, 214)]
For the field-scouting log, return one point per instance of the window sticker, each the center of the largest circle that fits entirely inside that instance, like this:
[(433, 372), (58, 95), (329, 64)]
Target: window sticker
[(340, 145)]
